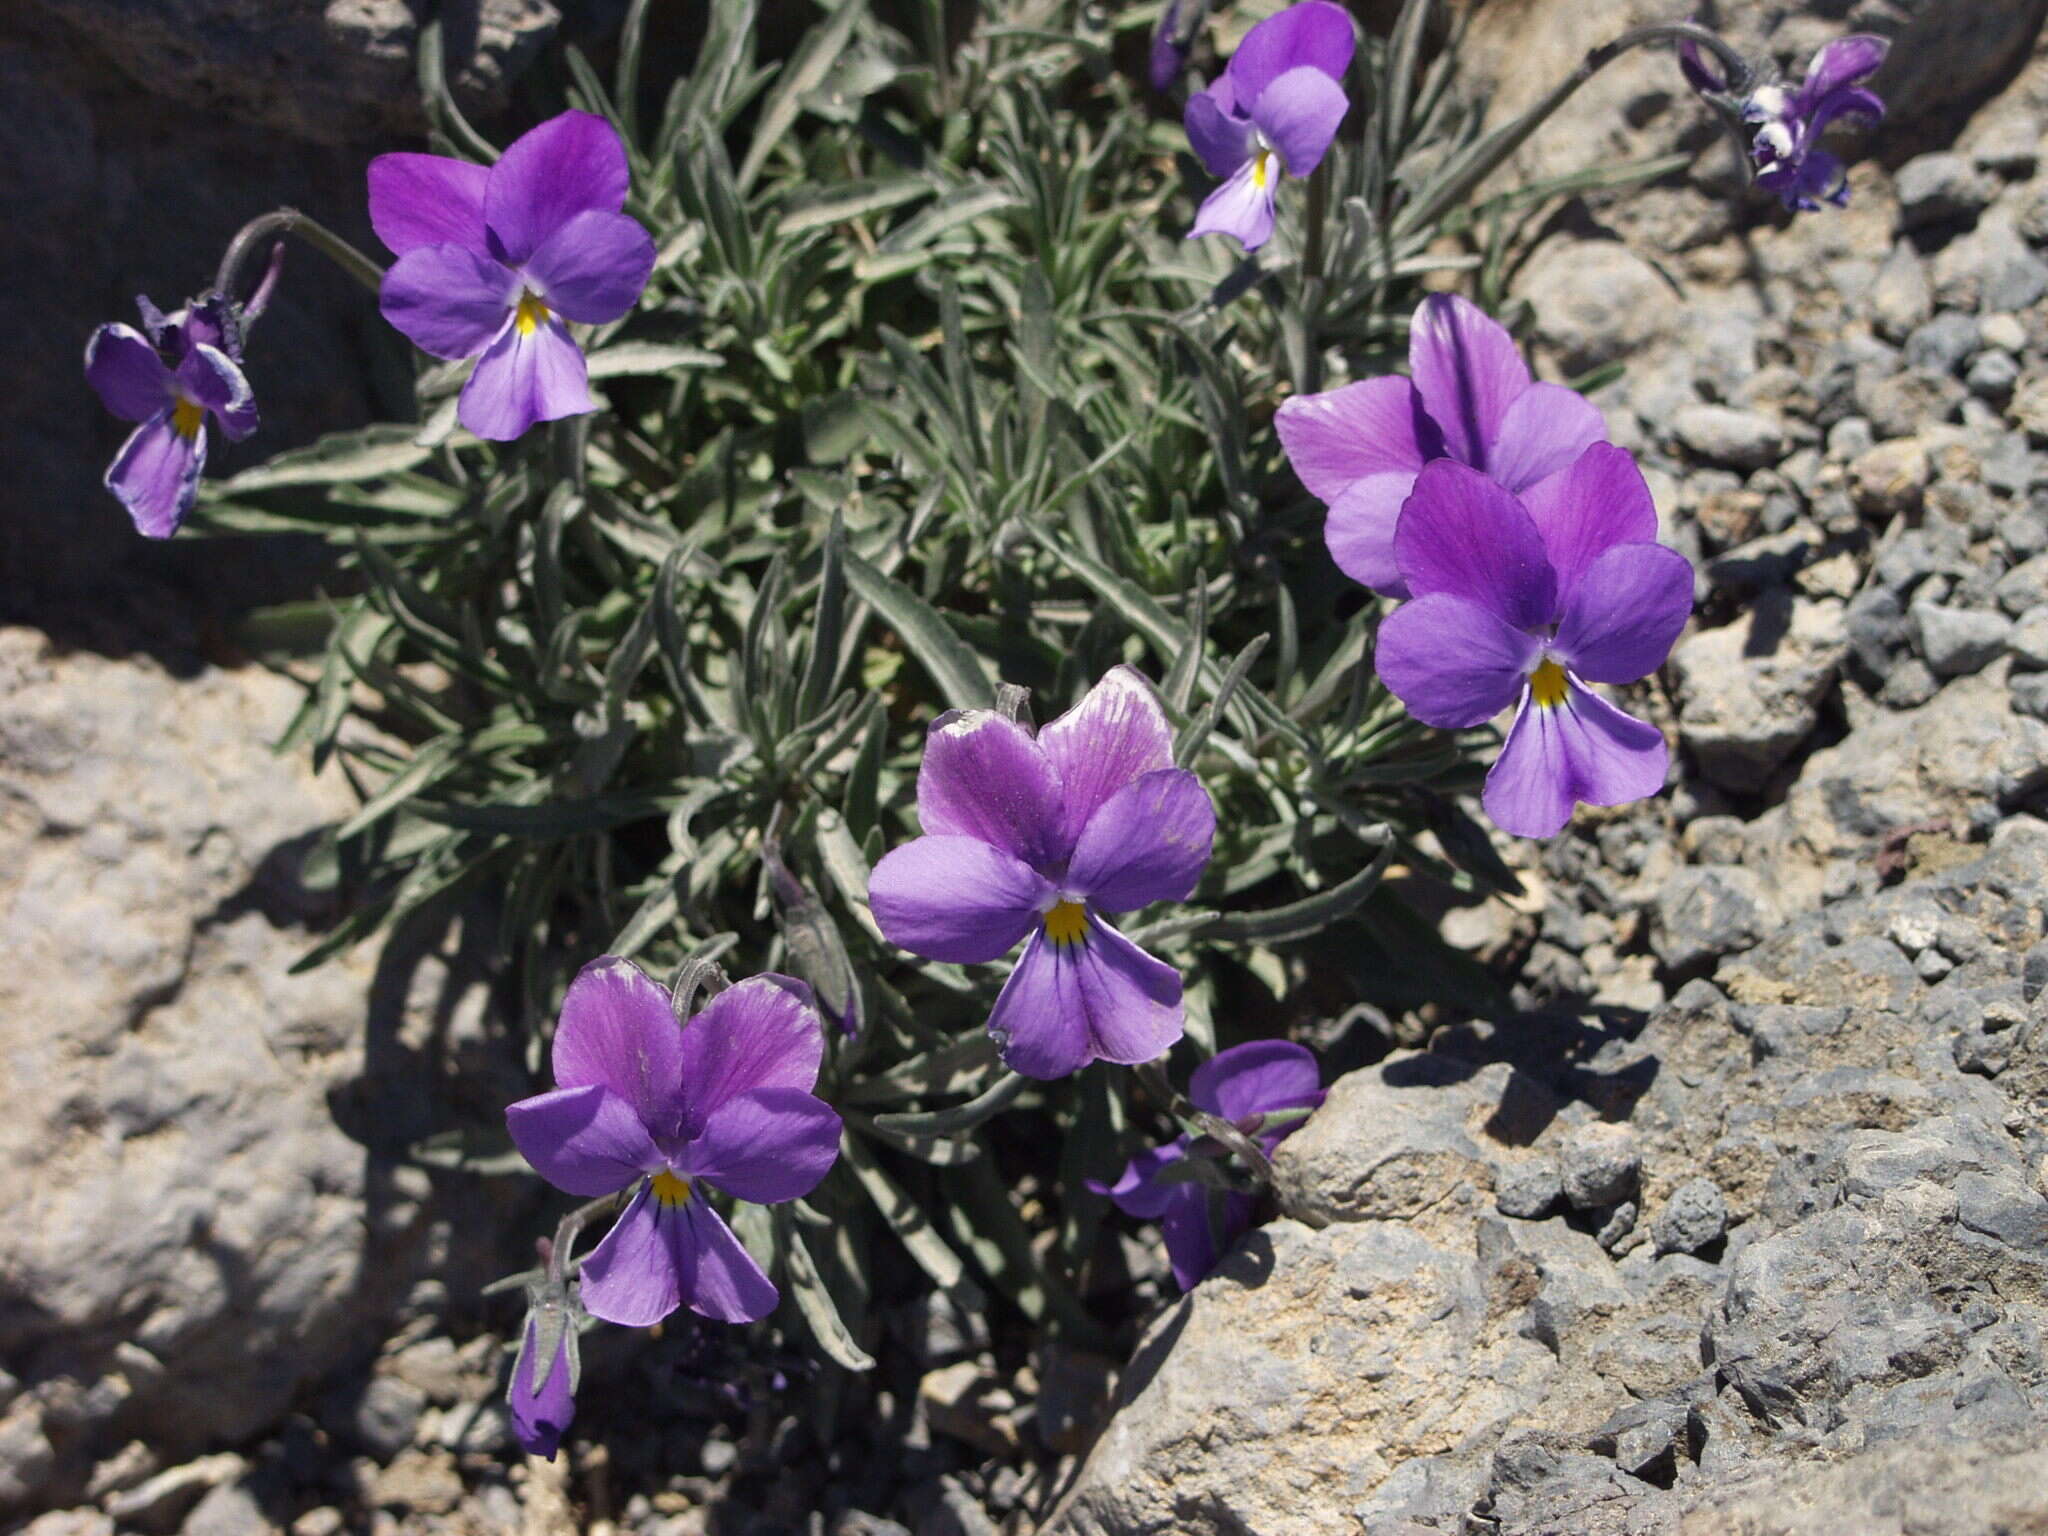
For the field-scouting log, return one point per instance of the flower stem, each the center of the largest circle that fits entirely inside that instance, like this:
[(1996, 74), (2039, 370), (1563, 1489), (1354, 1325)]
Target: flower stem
[(1475, 164), (289, 221), (1153, 1075), (567, 1230)]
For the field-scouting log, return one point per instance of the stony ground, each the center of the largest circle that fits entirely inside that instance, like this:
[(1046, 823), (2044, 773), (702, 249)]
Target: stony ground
[(1739, 1225)]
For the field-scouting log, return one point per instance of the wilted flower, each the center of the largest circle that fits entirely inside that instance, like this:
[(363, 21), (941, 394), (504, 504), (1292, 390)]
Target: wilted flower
[(1788, 123), (1470, 398), (723, 1101), (1038, 836), (541, 1416), (1275, 108), (188, 367), (1532, 599), (1244, 1085), (493, 260)]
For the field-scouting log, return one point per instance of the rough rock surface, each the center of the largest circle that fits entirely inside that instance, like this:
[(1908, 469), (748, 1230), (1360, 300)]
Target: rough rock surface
[(194, 1220)]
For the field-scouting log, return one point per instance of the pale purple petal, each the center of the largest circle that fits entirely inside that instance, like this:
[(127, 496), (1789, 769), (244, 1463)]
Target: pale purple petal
[(1469, 373), (418, 200), (1257, 1078), (1581, 750), (1842, 62), (586, 1141), (1148, 842), (1543, 431), (1843, 103), (1299, 114), (1625, 614), (448, 301), (1602, 500), (1221, 140), (592, 269), (1461, 533), (1693, 65), (762, 1033), (1037, 1022), (209, 377), (568, 165), (1133, 1001), (1451, 662), (771, 1145), (631, 1278), (124, 369), (956, 899), (1360, 530), (720, 1279), (540, 1419), (1114, 735), (524, 377), (1242, 207), (1139, 1190), (156, 475), (1199, 1231), (619, 1031), (984, 777), (1315, 34), (1373, 427)]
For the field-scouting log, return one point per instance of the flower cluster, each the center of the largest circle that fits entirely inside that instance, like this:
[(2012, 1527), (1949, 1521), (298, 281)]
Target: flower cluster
[(1038, 836), (1786, 125)]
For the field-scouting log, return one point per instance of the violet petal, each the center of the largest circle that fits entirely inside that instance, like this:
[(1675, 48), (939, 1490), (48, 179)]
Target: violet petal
[(956, 899), (209, 377), (594, 267), (571, 163), (1242, 207), (632, 1278), (767, 1146), (984, 777), (1220, 140), (1544, 430), (1314, 34), (1602, 500), (525, 377), (1337, 438), (1299, 114), (1460, 532), (1581, 750), (618, 1031), (1114, 735), (1148, 842), (763, 1032), (1037, 1023), (126, 373), (1139, 1191), (1452, 662), (720, 1279), (448, 301), (418, 200), (540, 1419), (1256, 1078), (1132, 1000), (586, 1141), (1359, 531), (1469, 373), (1626, 612), (156, 475)]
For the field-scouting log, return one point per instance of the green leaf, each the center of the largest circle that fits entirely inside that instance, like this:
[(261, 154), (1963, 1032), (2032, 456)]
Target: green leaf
[(820, 207), (813, 1299), (953, 665), (960, 1117), (633, 359), (336, 459), (903, 1216), (806, 70), (1309, 916)]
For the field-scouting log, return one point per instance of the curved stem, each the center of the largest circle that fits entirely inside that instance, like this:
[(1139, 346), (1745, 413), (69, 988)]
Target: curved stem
[(1478, 162), (1153, 1074), (289, 221)]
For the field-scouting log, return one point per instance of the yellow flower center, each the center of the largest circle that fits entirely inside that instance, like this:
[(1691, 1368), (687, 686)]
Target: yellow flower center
[(1066, 922), (532, 315), (669, 1189), (1547, 685), (186, 417), (1259, 167)]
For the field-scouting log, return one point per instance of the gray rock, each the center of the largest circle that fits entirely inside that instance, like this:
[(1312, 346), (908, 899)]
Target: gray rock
[(1902, 403), (1600, 1163), (1693, 1216), (1706, 911), (1750, 692), (1596, 302), (1527, 1187), (229, 1510), (383, 1419), (2008, 144), (1944, 343), (1909, 684), (1723, 435), (1875, 623), (1989, 269), (1889, 479), (1618, 1227), (1956, 641), (1931, 1485), (2023, 587), (1936, 188), (1992, 376), (2030, 694), (1901, 298)]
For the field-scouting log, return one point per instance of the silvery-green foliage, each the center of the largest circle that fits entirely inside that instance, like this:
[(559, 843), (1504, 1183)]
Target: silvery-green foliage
[(927, 394)]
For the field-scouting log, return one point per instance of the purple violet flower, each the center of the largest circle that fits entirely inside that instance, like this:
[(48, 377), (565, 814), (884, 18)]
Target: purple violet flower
[(1531, 599), (188, 367), (1789, 123), (492, 260), (723, 1101), (1359, 448), (1280, 98), (1242, 1085), (1037, 836), (541, 1418)]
